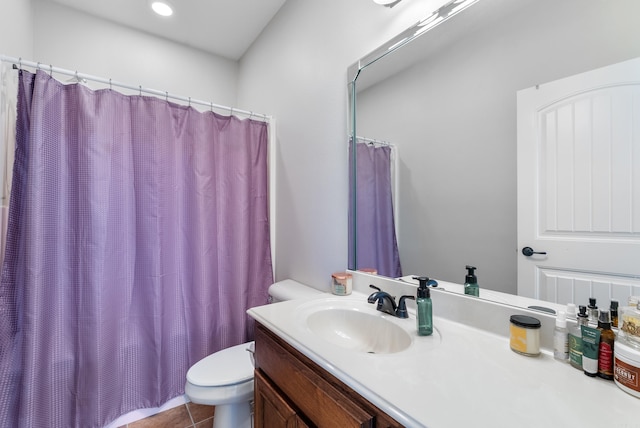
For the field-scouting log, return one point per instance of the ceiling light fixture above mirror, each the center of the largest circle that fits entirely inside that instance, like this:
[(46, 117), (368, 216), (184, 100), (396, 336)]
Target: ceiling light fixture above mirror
[(387, 3), (162, 8)]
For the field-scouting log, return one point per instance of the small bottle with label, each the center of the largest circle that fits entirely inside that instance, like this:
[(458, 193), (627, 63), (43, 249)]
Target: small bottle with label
[(424, 309), (592, 310), (575, 338), (605, 349), (471, 286), (614, 313), (561, 338)]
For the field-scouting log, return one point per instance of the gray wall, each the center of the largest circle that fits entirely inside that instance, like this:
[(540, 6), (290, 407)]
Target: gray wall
[(453, 117), (77, 41), (16, 28)]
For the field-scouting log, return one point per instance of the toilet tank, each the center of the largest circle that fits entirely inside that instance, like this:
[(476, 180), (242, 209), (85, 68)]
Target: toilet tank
[(289, 289)]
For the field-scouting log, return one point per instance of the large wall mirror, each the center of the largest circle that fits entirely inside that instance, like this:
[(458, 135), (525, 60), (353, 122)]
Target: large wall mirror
[(445, 104)]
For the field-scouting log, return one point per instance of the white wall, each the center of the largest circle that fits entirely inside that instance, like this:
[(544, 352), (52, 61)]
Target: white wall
[(77, 41), (16, 28), (297, 71)]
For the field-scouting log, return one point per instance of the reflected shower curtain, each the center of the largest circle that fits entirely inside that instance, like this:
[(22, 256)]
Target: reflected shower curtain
[(8, 100), (138, 237), (375, 244)]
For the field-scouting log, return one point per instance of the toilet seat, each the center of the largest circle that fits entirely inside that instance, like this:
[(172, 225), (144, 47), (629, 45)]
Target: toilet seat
[(237, 364)]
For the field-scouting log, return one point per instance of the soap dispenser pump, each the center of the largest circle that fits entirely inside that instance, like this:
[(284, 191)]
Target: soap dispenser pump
[(471, 286), (424, 309)]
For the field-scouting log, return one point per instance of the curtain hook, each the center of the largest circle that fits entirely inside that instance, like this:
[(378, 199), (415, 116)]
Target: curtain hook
[(38, 66), (20, 62), (50, 70), (166, 96), (140, 88), (110, 87), (250, 115), (231, 114), (211, 104), (77, 78), (189, 101)]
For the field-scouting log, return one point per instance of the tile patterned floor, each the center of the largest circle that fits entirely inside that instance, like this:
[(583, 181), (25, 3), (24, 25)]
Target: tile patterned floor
[(187, 415)]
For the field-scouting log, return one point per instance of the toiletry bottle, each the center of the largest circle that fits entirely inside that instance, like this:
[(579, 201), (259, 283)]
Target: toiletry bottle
[(575, 338), (592, 310), (571, 311), (471, 282), (424, 320), (590, 349), (561, 338), (605, 349), (613, 309)]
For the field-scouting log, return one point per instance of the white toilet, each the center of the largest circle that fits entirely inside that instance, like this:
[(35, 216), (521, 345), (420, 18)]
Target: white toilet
[(225, 379)]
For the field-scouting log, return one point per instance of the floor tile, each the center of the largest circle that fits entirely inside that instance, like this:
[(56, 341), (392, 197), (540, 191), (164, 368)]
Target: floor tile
[(200, 412), (178, 417)]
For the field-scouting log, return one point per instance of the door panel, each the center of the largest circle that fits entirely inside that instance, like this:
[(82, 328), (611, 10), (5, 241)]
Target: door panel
[(579, 186)]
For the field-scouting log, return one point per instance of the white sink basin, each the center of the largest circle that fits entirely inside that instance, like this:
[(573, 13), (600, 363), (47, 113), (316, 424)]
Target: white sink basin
[(356, 326)]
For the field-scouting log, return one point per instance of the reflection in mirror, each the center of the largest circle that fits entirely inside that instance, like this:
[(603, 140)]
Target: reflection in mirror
[(446, 101), (376, 243)]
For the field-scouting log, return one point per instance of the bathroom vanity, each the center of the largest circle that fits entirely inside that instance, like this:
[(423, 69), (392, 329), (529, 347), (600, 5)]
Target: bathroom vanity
[(312, 371), (293, 391)]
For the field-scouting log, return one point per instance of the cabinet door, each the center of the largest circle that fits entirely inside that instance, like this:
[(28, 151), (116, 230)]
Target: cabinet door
[(322, 402), (271, 410)]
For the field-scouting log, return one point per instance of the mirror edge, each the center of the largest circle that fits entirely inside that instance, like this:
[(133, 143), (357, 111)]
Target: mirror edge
[(423, 26)]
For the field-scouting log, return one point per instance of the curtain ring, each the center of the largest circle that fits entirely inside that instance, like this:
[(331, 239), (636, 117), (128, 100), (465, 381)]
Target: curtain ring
[(50, 70), (110, 87), (20, 62), (166, 96), (38, 66), (211, 104), (189, 101), (231, 114), (250, 115), (140, 88), (77, 78)]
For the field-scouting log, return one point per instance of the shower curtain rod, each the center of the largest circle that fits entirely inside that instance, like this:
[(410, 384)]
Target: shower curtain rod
[(374, 141), (51, 69)]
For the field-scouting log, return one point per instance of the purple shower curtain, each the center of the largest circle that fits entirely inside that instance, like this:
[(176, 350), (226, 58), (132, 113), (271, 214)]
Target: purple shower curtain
[(138, 237), (375, 244)]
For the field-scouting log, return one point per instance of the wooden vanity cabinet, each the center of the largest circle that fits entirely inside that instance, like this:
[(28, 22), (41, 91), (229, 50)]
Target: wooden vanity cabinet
[(292, 391)]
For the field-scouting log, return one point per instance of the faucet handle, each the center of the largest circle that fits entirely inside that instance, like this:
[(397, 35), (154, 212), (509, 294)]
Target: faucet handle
[(374, 287), (401, 312)]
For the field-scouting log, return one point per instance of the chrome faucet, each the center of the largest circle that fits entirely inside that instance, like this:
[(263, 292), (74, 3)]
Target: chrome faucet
[(387, 303)]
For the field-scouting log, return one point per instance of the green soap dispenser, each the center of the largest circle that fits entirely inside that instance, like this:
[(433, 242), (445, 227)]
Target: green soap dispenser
[(424, 309), (471, 286)]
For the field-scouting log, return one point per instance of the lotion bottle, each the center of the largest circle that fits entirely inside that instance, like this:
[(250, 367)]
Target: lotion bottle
[(471, 286), (424, 309), (561, 338), (575, 338)]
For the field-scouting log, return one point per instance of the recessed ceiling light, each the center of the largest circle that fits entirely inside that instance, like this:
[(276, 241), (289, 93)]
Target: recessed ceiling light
[(162, 8)]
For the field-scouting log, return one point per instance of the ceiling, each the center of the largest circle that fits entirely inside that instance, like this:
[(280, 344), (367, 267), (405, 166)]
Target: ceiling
[(222, 27)]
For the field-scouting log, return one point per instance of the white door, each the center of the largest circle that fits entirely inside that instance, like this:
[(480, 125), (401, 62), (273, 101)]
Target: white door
[(579, 187)]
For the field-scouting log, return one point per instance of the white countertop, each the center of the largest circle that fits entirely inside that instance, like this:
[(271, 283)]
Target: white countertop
[(460, 376)]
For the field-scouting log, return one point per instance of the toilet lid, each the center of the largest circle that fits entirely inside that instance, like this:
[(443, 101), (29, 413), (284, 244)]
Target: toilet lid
[(226, 367)]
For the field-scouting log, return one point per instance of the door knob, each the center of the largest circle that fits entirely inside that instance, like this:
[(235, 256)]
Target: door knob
[(528, 251)]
